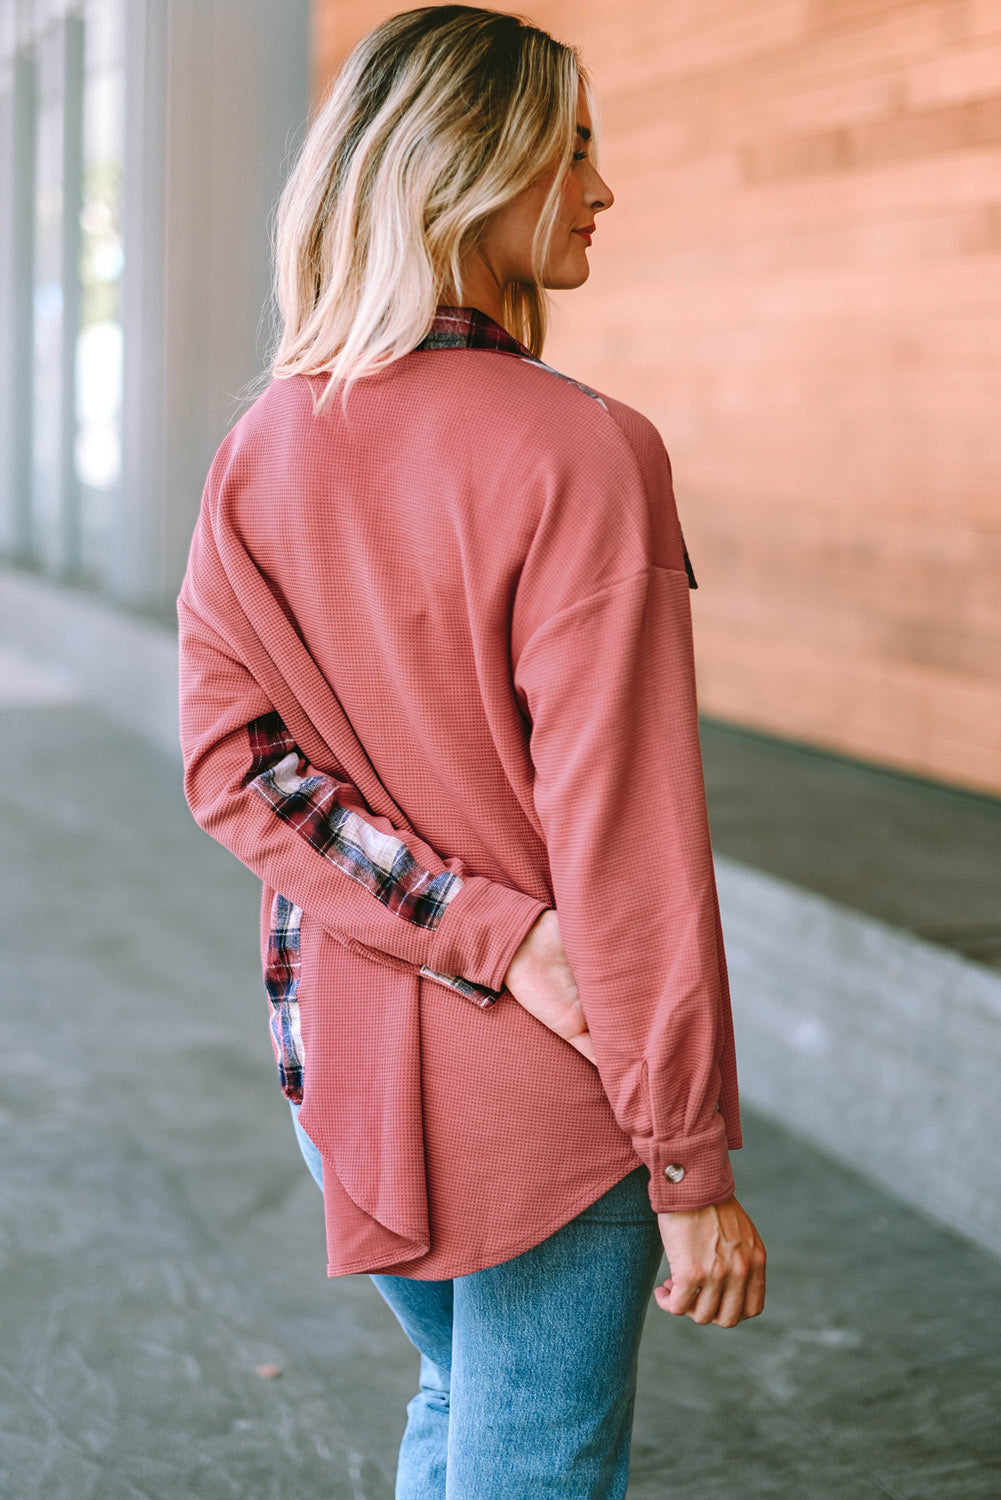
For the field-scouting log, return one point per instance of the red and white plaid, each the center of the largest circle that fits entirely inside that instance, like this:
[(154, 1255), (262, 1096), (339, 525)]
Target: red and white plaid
[(308, 801)]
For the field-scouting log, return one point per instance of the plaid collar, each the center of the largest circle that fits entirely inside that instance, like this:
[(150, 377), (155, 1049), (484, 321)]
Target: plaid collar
[(468, 328)]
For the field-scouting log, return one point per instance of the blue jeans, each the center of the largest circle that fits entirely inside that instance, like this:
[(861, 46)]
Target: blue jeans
[(528, 1368)]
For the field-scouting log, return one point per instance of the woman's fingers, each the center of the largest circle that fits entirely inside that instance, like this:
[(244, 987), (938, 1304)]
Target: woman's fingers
[(584, 1046), (542, 983), (732, 1306), (686, 1298), (717, 1263), (724, 1303), (754, 1296)]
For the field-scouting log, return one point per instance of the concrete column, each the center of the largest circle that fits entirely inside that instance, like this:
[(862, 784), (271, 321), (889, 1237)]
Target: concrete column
[(17, 210), (56, 170), (134, 573), (67, 538), (216, 96)]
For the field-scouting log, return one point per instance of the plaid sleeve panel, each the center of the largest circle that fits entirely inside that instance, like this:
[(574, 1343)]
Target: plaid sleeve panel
[(308, 801)]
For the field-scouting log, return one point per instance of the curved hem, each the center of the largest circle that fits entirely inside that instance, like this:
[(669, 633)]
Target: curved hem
[(529, 1242)]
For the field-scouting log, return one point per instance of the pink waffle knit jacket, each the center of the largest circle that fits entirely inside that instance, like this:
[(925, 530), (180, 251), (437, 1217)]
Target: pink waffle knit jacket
[(436, 676)]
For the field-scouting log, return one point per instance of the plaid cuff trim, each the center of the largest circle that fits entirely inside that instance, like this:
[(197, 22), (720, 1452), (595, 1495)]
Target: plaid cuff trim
[(478, 993)]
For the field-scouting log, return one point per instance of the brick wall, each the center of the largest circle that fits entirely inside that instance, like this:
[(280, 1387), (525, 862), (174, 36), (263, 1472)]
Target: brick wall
[(800, 283)]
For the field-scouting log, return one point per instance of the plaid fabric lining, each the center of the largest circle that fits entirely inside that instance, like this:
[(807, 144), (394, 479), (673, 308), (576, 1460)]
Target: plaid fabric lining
[(379, 861), (281, 980), (469, 328)]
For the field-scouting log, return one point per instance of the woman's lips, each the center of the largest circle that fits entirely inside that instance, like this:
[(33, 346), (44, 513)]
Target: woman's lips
[(585, 235)]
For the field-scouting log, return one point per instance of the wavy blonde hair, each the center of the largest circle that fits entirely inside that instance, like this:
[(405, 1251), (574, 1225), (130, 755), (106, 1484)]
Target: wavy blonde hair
[(438, 118)]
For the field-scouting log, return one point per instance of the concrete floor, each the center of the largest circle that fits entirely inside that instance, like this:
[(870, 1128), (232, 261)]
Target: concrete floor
[(161, 1246)]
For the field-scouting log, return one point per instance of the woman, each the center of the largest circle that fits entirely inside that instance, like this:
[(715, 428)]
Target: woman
[(437, 686)]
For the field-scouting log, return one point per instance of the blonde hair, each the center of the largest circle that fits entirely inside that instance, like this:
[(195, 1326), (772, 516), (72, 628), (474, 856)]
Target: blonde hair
[(438, 118)]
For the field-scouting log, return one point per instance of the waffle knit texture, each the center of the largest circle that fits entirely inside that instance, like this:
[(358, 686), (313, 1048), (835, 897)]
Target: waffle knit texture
[(436, 675)]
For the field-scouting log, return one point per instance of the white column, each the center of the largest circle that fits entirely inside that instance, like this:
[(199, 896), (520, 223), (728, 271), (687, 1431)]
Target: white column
[(57, 170), (216, 95), (135, 571), (17, 213), (71, 42)]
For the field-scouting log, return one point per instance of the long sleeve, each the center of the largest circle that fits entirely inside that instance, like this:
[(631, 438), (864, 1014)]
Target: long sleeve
[(606, 676), (307, 833)]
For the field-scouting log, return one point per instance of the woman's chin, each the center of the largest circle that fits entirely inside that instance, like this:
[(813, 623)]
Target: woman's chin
[(569, 278)]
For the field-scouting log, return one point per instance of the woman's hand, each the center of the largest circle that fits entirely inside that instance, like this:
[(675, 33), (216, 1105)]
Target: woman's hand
[(540, 979), (717, 1264)]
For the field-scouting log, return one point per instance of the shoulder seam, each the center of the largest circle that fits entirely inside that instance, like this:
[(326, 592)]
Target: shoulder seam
[(530, 359), (570, 379), (578, 604)]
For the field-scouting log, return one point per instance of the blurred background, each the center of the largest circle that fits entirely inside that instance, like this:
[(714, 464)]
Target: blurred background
[(800, 283)]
